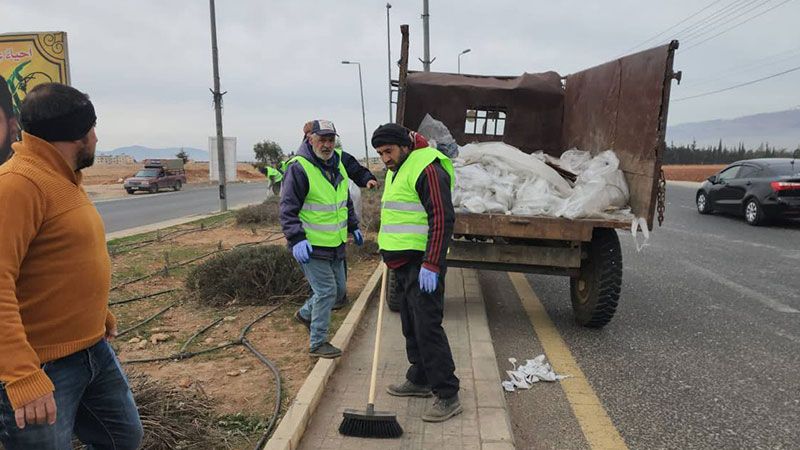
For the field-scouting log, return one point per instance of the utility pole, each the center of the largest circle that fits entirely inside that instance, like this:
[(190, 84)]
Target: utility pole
[(223, 201), (426, 63), (389, 57)]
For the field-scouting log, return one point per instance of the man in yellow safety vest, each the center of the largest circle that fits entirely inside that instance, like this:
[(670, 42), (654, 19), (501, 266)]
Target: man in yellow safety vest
[(417, 218), (316, 214)]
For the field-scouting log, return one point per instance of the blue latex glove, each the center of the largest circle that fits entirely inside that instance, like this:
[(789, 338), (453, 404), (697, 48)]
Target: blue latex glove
[(358, 237), (428, 280), (302, 251)]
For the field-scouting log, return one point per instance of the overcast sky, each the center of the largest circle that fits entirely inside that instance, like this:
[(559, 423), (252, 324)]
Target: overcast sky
[(147, 64)]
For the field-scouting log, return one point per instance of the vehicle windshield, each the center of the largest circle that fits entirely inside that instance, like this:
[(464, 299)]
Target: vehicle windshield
[(147, 173), (786, 169)]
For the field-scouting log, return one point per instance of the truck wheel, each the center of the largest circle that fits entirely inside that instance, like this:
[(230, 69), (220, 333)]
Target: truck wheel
[(392, 300), (177, 186), (595, 292), (130, 191)]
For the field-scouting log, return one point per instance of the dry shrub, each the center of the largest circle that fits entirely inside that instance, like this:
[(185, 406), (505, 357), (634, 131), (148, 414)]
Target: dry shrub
[(371, 210), (255, 275), (173, 417), (267, 213), (366, 252)]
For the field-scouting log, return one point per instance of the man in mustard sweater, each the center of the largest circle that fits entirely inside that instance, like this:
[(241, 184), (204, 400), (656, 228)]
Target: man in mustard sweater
[(58, 374)]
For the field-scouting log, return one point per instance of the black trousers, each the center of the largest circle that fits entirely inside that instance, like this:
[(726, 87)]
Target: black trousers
[(427, 347)]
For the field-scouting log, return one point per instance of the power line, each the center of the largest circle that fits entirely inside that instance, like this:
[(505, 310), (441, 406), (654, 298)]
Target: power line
[(749, 67), (737, 25), (736, 86), (719, 24), (714, 17), (672, 27)]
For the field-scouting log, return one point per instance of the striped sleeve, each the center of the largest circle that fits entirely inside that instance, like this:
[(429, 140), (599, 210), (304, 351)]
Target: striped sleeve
[(433, 188)]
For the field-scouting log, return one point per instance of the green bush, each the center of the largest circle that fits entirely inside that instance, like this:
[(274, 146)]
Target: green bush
[(255, 275), (267, 213)]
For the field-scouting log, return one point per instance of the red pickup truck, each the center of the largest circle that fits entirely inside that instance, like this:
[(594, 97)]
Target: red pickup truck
[(157, 174)]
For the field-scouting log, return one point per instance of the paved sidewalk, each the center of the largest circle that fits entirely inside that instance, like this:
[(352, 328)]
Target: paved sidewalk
[(484, 424)]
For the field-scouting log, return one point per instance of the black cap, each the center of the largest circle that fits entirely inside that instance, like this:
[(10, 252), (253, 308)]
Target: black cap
[(391, 133)]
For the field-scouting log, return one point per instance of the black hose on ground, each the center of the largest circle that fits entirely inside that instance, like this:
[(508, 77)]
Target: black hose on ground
[(242, 340)]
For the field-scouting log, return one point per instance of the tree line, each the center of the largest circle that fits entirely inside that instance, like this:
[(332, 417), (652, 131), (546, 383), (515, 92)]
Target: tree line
[(721, 154)]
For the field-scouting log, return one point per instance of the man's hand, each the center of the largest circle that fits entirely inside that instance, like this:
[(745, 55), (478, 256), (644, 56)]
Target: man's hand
[(428, 280), (358, 237), (38, 412), (372, 184), (111, 333), (302, 251)]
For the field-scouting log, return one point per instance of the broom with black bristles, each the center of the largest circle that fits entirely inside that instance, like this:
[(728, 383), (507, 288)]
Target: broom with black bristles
[(371, 423)]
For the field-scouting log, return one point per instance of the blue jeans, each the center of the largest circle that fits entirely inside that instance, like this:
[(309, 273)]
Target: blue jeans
[(328, 283), (93, 400)]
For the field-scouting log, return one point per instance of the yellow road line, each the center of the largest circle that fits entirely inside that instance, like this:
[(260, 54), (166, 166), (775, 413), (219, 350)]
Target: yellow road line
[(592, 417)]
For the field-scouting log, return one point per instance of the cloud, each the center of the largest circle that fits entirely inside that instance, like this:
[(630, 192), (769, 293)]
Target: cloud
[(147, 64)]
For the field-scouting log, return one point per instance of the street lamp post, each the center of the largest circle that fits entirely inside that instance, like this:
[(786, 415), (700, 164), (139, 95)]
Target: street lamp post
[(363, 113), (389, 57), (459, 58)]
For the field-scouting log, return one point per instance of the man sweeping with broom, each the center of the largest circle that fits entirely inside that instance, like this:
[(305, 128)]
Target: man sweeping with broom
[(417, 219)]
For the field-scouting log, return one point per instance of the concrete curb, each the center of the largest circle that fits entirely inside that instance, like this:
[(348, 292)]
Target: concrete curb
[(494, 423), (168, 223), (293, 424)]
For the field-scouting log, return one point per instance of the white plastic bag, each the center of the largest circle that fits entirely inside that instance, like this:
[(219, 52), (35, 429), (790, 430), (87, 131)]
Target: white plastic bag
[(438, 136), (355, 196)]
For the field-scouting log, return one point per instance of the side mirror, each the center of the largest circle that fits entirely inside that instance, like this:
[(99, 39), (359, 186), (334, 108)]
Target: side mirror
[(713, 179)]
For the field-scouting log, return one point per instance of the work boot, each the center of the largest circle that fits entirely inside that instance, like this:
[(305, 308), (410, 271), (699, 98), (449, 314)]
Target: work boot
[(442, 409), (325, 350), (409, 389), (299, 318), (341, 303)]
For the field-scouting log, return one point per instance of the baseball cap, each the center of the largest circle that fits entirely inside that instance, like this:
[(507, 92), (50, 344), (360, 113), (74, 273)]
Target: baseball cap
[(323, 128)]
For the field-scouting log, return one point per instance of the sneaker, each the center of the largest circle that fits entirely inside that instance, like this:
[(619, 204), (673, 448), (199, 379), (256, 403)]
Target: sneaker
[(341, 303), (409, 389), (302, 320), (442, 409), (325, 350)]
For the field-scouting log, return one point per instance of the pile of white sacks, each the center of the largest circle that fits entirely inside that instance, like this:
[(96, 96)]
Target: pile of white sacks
[(494, 177)]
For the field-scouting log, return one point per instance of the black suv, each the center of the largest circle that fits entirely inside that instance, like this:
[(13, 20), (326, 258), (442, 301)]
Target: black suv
[(758, 189)]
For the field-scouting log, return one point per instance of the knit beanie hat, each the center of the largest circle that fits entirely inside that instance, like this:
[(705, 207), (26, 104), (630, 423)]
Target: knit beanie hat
[(391, 133)]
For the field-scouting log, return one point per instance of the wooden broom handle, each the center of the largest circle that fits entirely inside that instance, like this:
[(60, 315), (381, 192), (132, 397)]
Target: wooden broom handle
[(374, 377)]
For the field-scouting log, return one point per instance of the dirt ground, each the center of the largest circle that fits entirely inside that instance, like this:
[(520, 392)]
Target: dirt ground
[(236, 381), (690, 172)]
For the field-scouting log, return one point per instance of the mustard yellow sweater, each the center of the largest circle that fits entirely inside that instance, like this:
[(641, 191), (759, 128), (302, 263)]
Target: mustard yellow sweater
[(55, 271)]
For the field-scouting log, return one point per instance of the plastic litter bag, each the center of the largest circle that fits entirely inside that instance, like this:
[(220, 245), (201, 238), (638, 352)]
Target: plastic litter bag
[(574, 160), (533, 371), (599, 188), (355, 196), (438, 136)]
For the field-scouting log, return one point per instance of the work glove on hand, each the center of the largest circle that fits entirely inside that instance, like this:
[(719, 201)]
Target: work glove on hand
[(358, 237), (428, 280), (302, 251)]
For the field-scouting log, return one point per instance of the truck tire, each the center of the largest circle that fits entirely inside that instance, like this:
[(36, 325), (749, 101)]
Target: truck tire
[(177, 186), (392, 300), (595, 292), (130, 191)]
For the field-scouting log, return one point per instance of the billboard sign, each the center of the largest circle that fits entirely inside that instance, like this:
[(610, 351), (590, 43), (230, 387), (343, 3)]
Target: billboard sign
[(29, 59)]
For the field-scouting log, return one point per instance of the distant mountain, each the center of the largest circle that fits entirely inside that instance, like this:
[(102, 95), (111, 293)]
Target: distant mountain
[(140, 153), (780, 129)]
